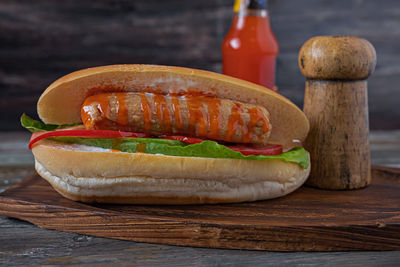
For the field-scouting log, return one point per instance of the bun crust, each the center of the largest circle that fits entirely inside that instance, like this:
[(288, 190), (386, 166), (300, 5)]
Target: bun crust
[(62, 100), (97, 175)]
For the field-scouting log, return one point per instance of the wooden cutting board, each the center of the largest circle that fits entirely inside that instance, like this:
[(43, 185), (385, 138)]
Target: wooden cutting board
[(306, 220)]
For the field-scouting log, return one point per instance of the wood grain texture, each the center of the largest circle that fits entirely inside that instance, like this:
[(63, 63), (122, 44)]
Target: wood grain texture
[(338, 138), (23, 244), (43, 40), (307, 220)]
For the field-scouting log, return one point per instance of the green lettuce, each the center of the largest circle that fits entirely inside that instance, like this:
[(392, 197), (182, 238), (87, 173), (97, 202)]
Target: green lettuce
[(207, 149), (211, 149), (36, 126)]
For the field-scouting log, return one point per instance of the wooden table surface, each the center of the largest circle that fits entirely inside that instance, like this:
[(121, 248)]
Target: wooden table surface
[(22, 243)]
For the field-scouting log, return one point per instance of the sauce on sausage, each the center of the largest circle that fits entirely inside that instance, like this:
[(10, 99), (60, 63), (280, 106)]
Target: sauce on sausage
[(204, 115), (146, 111), (162, 111), (177, 112), (102, 106), (234, 121), (256, 116), (122, 109), (214, 121), (197, 116)]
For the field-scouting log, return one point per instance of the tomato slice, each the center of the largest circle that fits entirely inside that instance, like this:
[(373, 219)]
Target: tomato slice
[(267, 150), (186, 139), (82, 133)]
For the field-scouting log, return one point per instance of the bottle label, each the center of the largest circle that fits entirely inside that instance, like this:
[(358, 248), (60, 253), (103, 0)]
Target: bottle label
[(241, 5), (236, 6)]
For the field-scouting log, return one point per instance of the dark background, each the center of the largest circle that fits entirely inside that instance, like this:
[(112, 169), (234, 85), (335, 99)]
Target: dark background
[(42, 40)]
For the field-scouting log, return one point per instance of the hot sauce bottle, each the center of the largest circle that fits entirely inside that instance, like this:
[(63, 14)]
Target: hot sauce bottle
[(250, 47)]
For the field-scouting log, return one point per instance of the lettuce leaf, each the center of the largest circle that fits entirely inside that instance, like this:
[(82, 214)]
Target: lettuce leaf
[(206, 149), (36, 126), (114, 143), (211, 149)]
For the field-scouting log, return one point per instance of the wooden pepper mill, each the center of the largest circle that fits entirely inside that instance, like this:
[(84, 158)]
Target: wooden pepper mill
[(336, 103)]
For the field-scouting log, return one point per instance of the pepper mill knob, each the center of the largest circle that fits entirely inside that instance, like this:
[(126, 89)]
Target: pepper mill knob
[(336, 104), (337, 58)]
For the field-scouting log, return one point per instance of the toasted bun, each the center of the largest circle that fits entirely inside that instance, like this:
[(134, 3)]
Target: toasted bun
[(97, 175), (62, 100)]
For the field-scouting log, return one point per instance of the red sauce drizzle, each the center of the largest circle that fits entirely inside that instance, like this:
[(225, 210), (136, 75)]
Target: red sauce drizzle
[(234, 121), (86, 118), (214, 122), (103, 105), (146, 111), (177, 112), (197, 117), (163, 113), (256, 116), (122, 109)]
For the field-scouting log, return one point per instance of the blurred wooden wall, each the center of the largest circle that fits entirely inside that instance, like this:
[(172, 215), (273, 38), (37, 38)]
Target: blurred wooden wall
[(43, 39)]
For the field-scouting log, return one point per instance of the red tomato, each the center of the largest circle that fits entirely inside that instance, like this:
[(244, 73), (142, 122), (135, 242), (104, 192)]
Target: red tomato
[(82, 133), (267, 150)]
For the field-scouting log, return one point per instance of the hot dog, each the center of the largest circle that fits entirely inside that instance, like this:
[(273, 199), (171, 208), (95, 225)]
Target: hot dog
[(167, 135)]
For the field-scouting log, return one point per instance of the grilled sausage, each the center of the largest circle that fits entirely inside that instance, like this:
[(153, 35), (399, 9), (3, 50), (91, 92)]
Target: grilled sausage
[(196, 116)]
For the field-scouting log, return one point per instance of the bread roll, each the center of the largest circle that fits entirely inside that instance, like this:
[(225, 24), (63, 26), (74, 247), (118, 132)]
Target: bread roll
[(61, 102), (91, 174)]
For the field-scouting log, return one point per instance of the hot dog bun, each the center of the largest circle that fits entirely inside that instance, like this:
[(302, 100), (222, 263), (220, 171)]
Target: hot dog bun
[(96, 175), (61, 101)]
